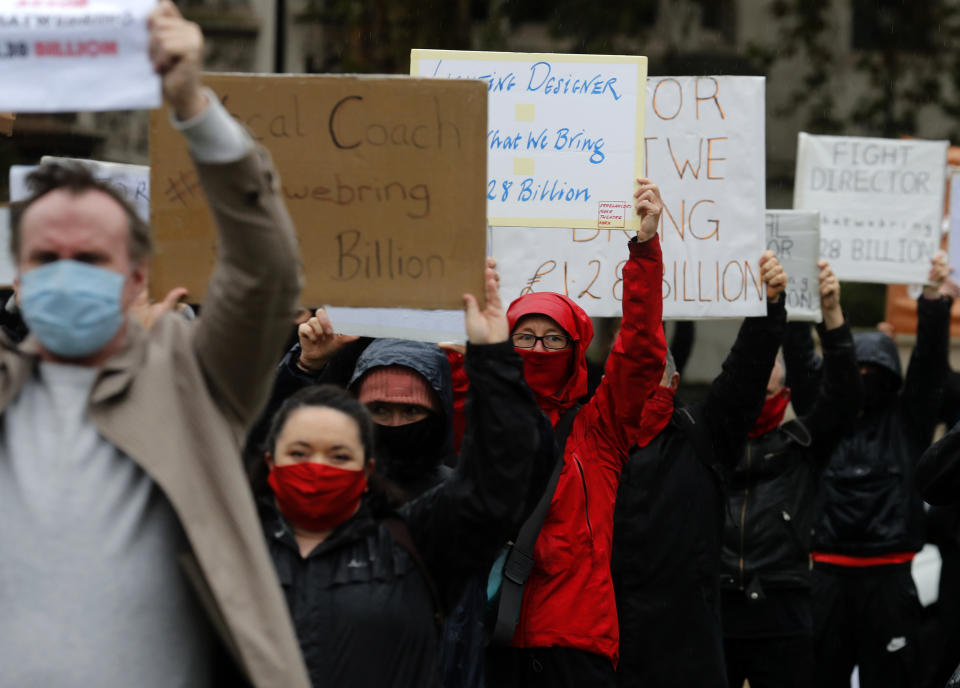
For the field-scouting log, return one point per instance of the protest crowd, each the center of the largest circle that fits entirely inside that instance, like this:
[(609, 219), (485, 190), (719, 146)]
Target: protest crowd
[(236, 493)]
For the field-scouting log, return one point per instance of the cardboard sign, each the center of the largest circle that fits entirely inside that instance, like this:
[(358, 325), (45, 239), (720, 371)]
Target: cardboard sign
[(794, 235), (383, 176), (6, 123), (58, 56), (565, 135), (705, 148), (130, 181), (880, 203)]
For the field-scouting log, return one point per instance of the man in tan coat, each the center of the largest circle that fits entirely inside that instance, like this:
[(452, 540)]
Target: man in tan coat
[(128, 535)]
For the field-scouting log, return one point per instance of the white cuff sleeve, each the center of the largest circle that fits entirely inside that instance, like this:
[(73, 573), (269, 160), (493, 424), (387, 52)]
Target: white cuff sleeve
[(213, 135)]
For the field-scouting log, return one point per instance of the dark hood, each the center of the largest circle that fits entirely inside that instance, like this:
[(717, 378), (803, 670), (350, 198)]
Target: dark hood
[(878, 349), (426, 359)]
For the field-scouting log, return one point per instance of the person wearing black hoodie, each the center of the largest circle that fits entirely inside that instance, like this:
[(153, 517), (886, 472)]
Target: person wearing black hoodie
[(869, 519), (404, 384)]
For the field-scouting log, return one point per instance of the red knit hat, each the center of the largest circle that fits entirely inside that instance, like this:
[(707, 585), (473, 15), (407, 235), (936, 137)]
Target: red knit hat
[(397, 384)]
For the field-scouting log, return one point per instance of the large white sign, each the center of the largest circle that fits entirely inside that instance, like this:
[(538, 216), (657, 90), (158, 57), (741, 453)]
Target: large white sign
[(58, 56), (564, 133), (794, 235), (880, 203), (705, 148)]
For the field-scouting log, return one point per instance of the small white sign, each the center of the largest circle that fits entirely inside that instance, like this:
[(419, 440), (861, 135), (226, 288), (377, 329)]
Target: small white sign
[(794, 235), (58, 56), (880, 203)]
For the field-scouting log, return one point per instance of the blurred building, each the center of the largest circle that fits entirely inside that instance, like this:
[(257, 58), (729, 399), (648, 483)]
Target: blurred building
[(862, 67)]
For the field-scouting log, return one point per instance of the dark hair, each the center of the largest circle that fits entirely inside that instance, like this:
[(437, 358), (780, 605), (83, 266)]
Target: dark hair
[(328, 396), (384, 495), (77, 179)]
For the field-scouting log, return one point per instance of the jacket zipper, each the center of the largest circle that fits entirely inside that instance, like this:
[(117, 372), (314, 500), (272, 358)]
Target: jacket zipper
[(743, 519), (586, 500)]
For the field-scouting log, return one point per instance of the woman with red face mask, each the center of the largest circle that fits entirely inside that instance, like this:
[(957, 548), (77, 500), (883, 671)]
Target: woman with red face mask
[(364, 580), (567, 634)]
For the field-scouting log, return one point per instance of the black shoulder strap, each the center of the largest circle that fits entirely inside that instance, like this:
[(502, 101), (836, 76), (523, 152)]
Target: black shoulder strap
[(401, 533), (519, 563)]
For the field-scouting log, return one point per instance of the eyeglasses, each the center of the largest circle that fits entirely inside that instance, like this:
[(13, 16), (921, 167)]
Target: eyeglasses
[(524, 340)]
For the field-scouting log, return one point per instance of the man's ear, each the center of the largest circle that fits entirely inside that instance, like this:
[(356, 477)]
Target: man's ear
[(675, 381), (16, 288), (136, 284)]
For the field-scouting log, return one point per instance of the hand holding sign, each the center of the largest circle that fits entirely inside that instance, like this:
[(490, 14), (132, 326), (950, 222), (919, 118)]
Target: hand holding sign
[(939, 271), (772, 275), (649, 206), (176, 50), (487, 326), (829, 296), (318, 341)]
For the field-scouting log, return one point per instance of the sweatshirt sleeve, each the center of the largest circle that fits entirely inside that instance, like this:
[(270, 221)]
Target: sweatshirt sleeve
[(737, 394)]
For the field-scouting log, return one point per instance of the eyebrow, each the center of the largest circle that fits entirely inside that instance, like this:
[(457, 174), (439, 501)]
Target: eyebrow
[(300, 443)]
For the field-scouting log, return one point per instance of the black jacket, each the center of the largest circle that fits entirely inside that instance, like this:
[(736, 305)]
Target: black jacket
[(668, 522), (360, 604), (869, 505), (938, 471), (771, 500)]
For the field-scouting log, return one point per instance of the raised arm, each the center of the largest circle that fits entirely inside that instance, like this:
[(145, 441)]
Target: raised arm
[(737, 393), (923, 388), (321, 356), (841, 391), (252, 294), (459, 526), (938, 472), (804, 366), (636, 361)]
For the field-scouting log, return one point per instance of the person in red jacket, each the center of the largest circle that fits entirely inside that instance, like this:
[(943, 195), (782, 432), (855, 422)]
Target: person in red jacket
[(567, 634)]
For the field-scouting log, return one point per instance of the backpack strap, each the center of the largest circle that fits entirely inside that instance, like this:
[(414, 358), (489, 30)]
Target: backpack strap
[(397, 527), (519, 562)]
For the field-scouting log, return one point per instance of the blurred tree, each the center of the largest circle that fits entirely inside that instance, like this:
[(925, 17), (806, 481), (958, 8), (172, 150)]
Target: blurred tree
[(903, 55), (377, 35)]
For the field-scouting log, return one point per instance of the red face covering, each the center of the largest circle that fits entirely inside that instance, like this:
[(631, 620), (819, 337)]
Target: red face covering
[(546, 372), (656, 414), (316, 496), (772, 414), (555, 391)]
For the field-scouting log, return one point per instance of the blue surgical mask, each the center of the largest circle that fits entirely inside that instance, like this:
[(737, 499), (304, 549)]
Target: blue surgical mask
[(73, 308)]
